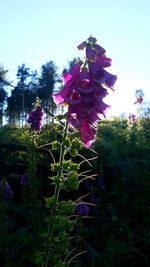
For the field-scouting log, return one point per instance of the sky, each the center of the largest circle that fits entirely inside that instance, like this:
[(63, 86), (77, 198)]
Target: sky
[(37, 31)]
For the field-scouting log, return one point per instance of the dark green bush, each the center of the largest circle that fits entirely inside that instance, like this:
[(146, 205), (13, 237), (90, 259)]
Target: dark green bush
[(118, 232)]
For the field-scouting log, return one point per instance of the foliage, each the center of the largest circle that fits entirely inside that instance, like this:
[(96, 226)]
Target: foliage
[(117, 234), (34, 210)]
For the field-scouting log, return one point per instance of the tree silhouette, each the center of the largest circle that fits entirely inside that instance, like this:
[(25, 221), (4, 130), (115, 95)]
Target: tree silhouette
[(3, 93), (47, 81), (22, 97)]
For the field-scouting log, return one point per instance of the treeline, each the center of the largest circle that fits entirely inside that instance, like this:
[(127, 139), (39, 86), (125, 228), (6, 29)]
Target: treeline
[(15, 107)]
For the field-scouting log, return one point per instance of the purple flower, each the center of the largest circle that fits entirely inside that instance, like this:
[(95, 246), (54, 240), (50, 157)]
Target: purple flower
[(84, 84), (110, 79), (24, 180), (35, 119), (70, 79), (6, 190), (99, 92), (72, 75), (90, 52), (84, 90), (87, 133), (82, 209), (98, 74), (101, 76), (82, 45), (102, 61)]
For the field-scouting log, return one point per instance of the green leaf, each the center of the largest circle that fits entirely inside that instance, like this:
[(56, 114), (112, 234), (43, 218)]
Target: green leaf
[(75, 145), (50, 202), (55, 167), (67, 142), (72, 183), (55, 145), (55, 178), (60, 117), (66, 164), (72, 175), (66, 207), (74, 136), (74, 167), (73, 152)]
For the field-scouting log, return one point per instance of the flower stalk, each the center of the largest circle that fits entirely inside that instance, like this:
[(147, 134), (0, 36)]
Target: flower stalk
[(53, 212)]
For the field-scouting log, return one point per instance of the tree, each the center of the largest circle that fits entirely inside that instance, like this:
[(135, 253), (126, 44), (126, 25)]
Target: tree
[(28, 87), (3, 93), (47, 81), (22, 97)]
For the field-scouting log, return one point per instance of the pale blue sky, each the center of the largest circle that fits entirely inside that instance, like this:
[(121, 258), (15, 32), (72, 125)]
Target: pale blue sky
[(36, 31)]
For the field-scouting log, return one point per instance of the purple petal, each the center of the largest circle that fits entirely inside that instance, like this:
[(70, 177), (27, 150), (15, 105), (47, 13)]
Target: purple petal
[(66, 77), (88, 103), (102, 61), (75, 114), (82, 45), (6, 190), (110, 79), (99, 92), (101, 107), (60, 97), (85, 82), (100, 50), (86, 133), (73, 121), (82, 209), (90, 52), (24, 180), (75, 110), (73, 73), (74, 98), (97, 73), (93, 117)]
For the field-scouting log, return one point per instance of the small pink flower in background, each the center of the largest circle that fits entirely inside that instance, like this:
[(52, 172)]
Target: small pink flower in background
[(82, 209), (35, 117), (139, 97), (6, 190), (139, 100), (85, 86), (24, 180), (132, 118)]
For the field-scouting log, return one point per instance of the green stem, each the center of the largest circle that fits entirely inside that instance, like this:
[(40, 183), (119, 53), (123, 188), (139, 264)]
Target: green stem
[(56, 196)]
